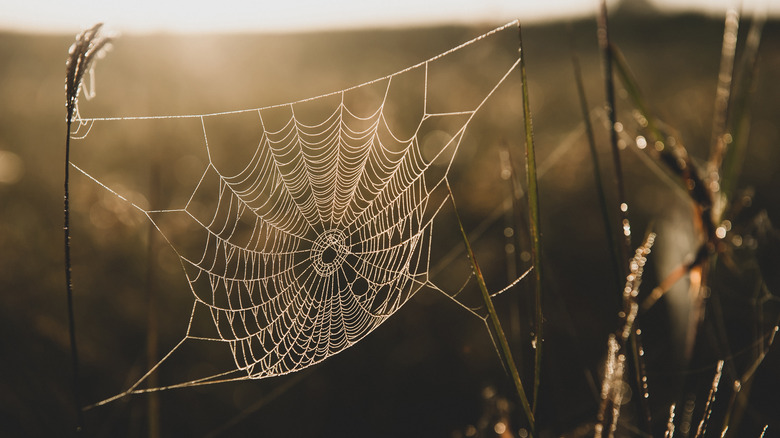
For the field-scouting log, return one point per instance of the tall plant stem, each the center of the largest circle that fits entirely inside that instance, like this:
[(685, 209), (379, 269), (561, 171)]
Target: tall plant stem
[(502, 341), (585, 108), (533, 212), (609, 106), (89, 44), (643, 409), (69, 287)]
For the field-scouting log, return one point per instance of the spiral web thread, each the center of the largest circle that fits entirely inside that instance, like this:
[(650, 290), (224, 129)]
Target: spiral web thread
[(324, 234)]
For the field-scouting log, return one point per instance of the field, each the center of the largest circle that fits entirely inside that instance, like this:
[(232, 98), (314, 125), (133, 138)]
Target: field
[(431, 369)]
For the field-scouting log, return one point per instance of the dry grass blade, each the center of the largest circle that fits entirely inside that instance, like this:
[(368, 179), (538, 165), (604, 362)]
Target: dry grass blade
[(669, 433), (710, 399), (89, 44), (614, 369)]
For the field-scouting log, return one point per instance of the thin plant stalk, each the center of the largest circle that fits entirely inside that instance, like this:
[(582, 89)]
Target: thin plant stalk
[(88, 44), (502, 341), (741, 386), (69, 287), (609, 106), (614, 367), (534, 221), (643, 409), (629, 82), (739, 113), (585, 108), (719, 141), (674, 156), (702, 429)]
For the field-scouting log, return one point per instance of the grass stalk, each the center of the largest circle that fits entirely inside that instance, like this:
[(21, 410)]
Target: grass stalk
[(609, 107), (740, 113), (741, 387), (702, 429), (585, 108), (720, 141), (69, 287), (643, 409), (614, 367), (673, 155), (83, 51), (631, 86), (502, 340), (534, 222)]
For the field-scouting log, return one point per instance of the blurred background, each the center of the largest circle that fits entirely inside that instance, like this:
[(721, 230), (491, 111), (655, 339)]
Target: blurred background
[(431, 369)]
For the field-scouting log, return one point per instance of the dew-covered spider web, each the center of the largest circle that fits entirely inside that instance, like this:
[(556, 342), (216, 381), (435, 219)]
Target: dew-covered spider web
[(307, 243)]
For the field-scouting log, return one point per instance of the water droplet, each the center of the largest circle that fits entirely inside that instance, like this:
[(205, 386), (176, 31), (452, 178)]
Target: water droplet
[(714, 186)]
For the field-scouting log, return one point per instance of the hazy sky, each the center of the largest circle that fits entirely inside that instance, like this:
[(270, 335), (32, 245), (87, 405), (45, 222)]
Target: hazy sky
[(130, 16)]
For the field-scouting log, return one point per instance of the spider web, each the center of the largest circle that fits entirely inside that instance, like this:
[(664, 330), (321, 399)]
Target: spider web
[(324, 233)]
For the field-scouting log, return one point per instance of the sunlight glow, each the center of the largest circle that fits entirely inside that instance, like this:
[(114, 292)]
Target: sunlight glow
[(146, 16)]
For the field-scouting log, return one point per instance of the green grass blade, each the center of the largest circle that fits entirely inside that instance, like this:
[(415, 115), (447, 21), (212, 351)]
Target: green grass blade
[(719, 141), (585, 108), (632, 88), (502, 341), (673, 155), (643, 409), (535, 222), (740, 112), (609, 106)]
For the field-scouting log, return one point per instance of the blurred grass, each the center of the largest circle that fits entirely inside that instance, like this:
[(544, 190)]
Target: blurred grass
[(423, 372)]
